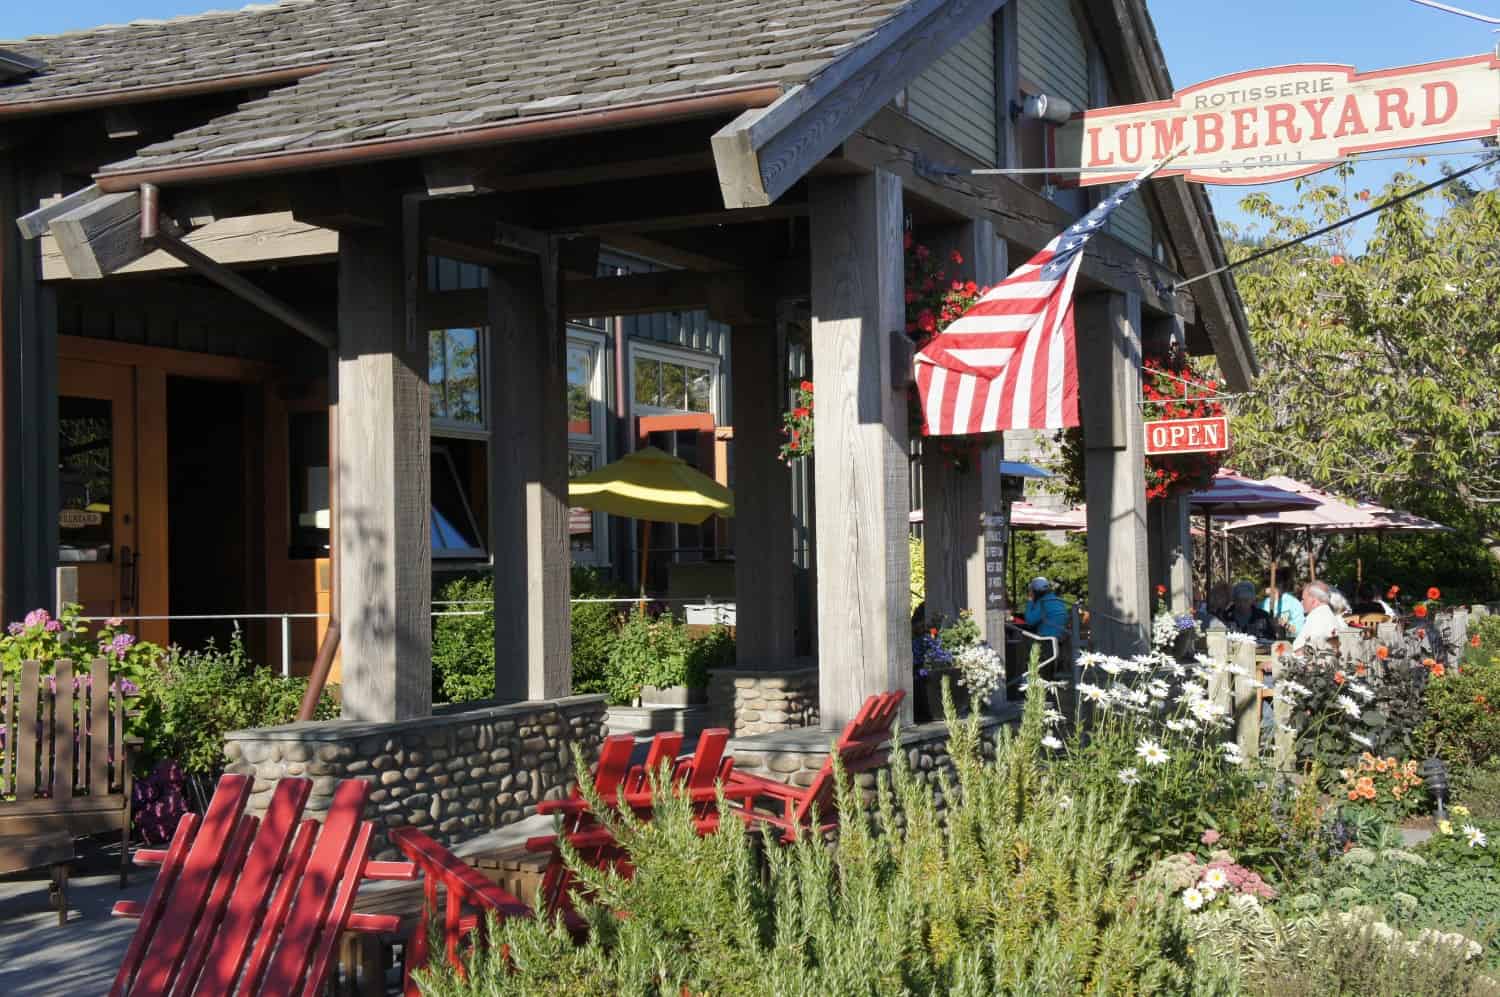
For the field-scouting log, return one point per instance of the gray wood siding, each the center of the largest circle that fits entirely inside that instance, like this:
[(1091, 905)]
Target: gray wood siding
[(955, 97), (1131, 223), (1053, 55)]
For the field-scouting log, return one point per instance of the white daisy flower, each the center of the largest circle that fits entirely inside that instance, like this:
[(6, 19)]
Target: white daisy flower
[(1349, 706), (1129, 776), (1089, 659), (1362, 691), (1476, 837), (1216, 879), (1361, 739), (1065, 803), (1192, 899), (1208, 894), (1179, 726), (1158, 689), (1051, 716), (1113, 666), (1051, 742), (1150, 752), (1194, 690), (1092, 693), (1289, 687)]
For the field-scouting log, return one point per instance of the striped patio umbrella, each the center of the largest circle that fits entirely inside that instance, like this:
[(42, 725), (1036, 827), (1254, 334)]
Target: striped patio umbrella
[(1235, 494)]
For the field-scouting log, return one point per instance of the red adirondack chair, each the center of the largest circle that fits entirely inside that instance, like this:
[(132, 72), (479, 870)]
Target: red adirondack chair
[(254, 905), (860, 748), (462, 886)]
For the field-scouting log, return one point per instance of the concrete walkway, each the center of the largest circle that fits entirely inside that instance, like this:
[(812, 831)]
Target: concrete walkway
[(38, 958)]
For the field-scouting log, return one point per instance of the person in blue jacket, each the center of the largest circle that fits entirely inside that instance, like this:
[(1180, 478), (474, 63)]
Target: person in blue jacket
[(1046, 612)]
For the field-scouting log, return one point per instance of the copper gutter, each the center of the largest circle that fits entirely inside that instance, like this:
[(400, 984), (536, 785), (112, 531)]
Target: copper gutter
[(541, 126), (168, 91)]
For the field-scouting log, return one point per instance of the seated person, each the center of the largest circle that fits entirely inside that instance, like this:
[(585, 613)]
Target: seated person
[(1244, 616), (1212, 609), (1367, 603), (1320, 624), (1046, 612), (1288, 612)]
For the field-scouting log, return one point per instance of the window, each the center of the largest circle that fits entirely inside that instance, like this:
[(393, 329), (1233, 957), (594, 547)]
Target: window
[(455, 358), (86, 459), (308, 451), (663, 380), (455, 532), (588, 532)]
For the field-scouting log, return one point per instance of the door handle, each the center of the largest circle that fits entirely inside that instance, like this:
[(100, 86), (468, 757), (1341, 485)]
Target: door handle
[(129, 577)]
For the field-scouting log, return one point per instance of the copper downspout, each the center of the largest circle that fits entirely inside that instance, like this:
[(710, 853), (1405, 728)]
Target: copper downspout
[(541, 126), (138, 95)]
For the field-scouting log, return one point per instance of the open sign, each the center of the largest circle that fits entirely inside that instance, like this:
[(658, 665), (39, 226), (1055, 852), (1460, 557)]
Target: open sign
[(1187, 435)]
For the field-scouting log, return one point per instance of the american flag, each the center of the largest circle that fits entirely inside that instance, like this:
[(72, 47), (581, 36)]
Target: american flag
[(1009, 362)]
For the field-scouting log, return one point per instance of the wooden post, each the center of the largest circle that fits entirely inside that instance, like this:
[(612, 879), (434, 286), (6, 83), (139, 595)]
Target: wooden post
[(861, 366), (1247, 687), (956, 502), (1171, 551), (384, 558), (29, 481), (1109, 361), (765, 633), (529, 482)]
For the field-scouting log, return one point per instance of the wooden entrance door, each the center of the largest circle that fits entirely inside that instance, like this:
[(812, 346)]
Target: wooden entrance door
[(97, 458)]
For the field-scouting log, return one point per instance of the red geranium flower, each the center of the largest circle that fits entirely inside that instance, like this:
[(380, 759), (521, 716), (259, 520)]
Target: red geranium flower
[(1338, 678), (801, 412), (1382, 652), (1393, 591), (1433, 593), (926, 321), (956, 257), (1474, 641), (807, 386), (1420, 610)]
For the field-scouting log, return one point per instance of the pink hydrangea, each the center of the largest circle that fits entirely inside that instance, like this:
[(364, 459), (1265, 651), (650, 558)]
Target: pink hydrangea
[(37, 618), (1242, 880), (1210, 837)]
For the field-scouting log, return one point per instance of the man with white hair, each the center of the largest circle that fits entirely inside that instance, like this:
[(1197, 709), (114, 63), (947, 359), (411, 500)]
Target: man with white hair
[(1321, 622)]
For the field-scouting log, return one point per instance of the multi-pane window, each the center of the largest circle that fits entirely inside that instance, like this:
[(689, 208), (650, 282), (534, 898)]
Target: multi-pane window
[(454, 360), (669, 381), (588, 535)]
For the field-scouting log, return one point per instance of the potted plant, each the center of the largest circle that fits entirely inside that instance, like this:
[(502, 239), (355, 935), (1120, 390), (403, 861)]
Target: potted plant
[(935, 656), (654, 662)]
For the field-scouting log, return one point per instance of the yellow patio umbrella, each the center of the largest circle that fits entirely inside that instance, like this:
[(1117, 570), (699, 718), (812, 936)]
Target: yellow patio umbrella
[(653, 486)]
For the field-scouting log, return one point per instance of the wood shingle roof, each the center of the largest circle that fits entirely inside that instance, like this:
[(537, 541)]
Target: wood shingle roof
[(388, 69)]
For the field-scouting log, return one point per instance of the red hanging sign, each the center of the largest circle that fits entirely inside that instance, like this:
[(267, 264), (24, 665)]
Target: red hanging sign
[(1168, 436)]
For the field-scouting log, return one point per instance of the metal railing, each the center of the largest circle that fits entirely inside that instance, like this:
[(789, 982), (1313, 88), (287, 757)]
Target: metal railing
[(286, 619)]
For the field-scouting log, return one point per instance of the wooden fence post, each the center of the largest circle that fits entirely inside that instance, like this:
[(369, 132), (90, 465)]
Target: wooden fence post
[(1246, 713)]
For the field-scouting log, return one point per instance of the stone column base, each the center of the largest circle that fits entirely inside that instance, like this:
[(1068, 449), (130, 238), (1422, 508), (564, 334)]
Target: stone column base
[(759, 702)]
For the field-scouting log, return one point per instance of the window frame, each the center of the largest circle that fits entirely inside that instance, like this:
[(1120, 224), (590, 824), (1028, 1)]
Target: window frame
[(595, 443), (437, 451), (451, 427), (683, 357)]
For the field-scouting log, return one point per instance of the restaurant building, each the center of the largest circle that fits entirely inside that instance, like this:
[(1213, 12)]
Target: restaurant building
[(306, 305)]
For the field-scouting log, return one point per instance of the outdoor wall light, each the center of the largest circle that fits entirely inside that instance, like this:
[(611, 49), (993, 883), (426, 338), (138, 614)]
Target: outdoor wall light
[(1435, 776), (1053, 110)]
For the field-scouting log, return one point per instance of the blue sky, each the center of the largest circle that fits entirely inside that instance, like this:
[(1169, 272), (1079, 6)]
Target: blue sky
[(1202, 39)]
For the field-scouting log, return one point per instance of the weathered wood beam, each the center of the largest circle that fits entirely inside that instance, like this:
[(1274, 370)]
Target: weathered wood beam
[(384, 555), (528, 485), (892, 141), (34, 224), (862, 471), (1109, 372), (763, 152), (101, 236)]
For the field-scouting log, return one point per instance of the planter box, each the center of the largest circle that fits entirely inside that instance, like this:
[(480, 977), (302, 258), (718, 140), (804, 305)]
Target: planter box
[(677, 695), (708, 614), (928, 695)]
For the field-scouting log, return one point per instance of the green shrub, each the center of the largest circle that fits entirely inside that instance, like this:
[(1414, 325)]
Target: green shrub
[(463, 646), (1478, 788), (1386, 714), (1463, 706), (1066, 564), (657, 651), (595, 627), (196, 697), (1007, 892)]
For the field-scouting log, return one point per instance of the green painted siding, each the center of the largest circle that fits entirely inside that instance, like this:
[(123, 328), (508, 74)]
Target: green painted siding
[(1052, 51), (955, 97)]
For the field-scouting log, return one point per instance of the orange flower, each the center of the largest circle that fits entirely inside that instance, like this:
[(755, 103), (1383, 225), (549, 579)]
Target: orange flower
[(1393, 591), (1382, 652), (1360, 669), (1421, 610), (1474, 641), (1437, 670), (1353, 795), (933, 631), (1433, 593), (1479, 698), (1338, 678), (1427, 663)]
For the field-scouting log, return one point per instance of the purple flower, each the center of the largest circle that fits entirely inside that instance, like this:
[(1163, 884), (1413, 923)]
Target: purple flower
[(37, 617), (119, 645), (922, 673), (53, 626), (16, 629), (128, 687)]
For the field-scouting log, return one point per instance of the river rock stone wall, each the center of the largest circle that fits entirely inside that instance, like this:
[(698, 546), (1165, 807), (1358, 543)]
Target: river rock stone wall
[(760, 702), (458, 773), (796, 756)]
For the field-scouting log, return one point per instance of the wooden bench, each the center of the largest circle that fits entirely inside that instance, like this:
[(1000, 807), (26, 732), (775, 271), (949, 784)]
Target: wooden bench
[(65, 763), (56, 850)]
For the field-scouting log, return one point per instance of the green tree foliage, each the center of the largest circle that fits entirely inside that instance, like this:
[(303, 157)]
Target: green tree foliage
[(1381, 367), (1066, 565)]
